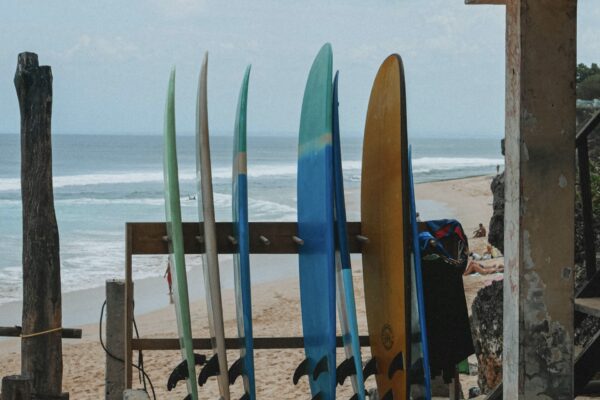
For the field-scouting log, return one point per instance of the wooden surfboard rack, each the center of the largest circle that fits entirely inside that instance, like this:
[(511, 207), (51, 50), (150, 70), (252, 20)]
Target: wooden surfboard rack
[(149, 238)]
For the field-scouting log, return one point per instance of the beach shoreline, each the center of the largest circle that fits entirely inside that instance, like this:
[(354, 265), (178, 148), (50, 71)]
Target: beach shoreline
[(275, 305)]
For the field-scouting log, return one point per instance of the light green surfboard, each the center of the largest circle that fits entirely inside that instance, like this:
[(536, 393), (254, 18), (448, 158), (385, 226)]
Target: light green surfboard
[(175, 234)]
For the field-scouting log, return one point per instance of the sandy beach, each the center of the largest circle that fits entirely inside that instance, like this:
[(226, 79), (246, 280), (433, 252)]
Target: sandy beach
[(275, 306)]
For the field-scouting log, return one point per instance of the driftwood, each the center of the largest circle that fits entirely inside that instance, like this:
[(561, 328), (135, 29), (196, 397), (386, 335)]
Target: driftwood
[(41, 347)]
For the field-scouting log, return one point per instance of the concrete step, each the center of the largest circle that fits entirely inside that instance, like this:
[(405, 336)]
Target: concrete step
[(590, 306)]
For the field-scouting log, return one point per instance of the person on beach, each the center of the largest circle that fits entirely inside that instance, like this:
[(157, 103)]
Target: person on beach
[(167, 275), (477, 268), (418, 217), (480, 232)]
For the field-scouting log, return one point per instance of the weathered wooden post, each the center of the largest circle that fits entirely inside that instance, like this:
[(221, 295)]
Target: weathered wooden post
[(16, 387), (41, 347), (115, 340)]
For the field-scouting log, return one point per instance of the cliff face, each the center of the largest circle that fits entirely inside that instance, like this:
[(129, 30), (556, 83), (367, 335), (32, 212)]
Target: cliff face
[(496, 227)]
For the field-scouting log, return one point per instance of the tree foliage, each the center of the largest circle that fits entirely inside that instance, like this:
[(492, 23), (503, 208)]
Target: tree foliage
[(588, 82)]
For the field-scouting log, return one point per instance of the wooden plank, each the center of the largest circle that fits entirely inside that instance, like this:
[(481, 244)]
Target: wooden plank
[(15, 331), (485, 2), (128, 320), (260, 343), (587, 363), (148, 238), (588, 128), (587, 209), (590, 306)]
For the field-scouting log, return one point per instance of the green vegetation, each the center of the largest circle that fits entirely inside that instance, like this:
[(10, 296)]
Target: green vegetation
[(588, 82)]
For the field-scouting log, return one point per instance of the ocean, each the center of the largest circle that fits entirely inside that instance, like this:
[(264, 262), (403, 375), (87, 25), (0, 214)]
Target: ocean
[(103, 181)]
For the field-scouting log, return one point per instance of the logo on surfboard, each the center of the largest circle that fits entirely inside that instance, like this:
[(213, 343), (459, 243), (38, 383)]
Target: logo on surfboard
[(387, 336)]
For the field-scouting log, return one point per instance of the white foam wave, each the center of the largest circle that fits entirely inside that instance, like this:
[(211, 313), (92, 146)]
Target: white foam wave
[(11, 184), (428, 164)]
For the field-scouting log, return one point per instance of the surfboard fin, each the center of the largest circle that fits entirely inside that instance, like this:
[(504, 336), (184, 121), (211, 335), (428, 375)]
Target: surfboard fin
[(320, 368), (318, 396), (300, 371), (181, 371), (188, 397), (370, 368), (246, 396), (355, 397), (235, 370), (397, 364), (388, 396), (210, 369), (344, 370)]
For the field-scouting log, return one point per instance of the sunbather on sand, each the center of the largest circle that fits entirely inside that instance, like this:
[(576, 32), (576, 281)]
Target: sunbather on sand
[(476, 268)]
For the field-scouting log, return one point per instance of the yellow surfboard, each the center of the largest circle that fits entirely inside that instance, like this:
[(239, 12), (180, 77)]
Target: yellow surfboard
[(385, 222)]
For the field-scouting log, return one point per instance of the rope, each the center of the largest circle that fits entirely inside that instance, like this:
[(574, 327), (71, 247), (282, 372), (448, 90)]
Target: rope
[(29, 335)]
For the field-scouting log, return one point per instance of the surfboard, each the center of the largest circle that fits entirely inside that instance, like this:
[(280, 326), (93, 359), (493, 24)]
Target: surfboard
[(385, 222), (241, 258), (420, 388), (352, 366), (187, 369), (315, 228), (217, 365)]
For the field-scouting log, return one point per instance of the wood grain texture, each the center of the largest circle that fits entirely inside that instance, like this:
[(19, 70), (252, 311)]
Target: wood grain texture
[(385, 221), (41, 356)]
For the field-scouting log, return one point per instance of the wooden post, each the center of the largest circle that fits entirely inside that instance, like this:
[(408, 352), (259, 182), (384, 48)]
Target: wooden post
[(115, 339), (16, 387), (41, 347), (134, 394), (540, 197)]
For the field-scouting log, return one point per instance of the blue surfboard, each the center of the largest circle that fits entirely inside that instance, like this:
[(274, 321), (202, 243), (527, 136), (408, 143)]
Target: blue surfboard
[(352, 366), (241, 259), (315, 228), (419, 349)]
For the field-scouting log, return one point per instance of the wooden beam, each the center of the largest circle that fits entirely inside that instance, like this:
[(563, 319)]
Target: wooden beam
[(540, 196), (260, 343), (15, 331), (41, 355), (149, 238), (485, 2)]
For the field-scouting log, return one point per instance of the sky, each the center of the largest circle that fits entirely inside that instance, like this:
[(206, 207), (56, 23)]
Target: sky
[(111, 60)]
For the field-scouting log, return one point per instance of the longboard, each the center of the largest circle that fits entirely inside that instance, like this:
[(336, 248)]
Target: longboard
[(217, 365), (420, 349), (315, 228), (385, 222), (241, 259), (187, 369), (352, 366)]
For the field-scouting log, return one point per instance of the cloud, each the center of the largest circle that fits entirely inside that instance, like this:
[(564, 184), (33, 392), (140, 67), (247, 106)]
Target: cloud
[(98, 47)]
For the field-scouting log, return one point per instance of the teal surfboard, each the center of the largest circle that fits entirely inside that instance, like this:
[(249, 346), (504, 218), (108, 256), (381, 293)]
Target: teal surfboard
[(187, 369), (352, 366), (244, 366), (217, 365), (315, 228)]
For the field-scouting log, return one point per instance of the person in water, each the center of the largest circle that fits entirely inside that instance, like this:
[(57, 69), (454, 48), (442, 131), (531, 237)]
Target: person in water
[(480, 232)]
